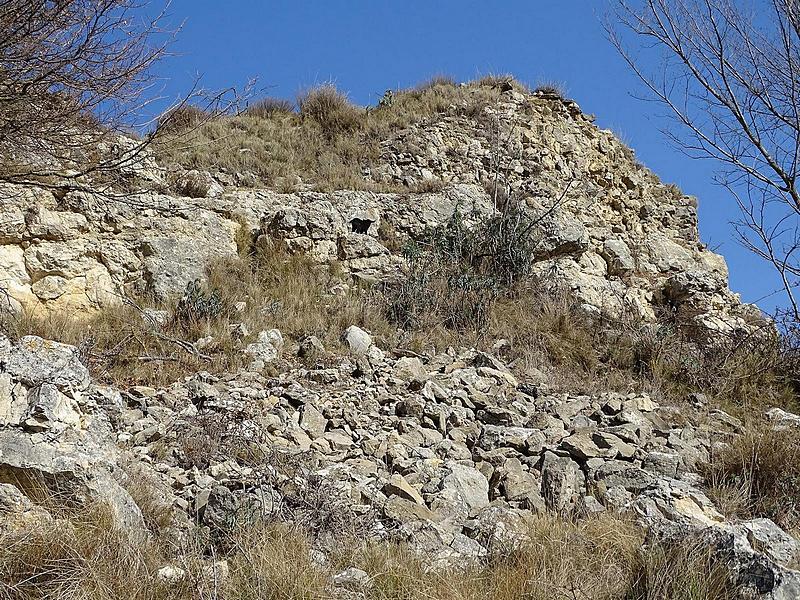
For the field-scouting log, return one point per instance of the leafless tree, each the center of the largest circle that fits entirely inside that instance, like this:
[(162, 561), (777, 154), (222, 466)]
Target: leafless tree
[(729, 72), (74, 75)]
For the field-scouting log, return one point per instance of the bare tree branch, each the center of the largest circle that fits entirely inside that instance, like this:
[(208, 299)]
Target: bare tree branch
[(77, 83), (730, 76)]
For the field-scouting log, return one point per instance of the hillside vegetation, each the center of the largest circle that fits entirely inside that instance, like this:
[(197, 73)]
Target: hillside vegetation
[(323, 141)]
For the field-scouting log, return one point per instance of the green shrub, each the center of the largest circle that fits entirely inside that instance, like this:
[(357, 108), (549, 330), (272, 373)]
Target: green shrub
[(459, 269), (197, 304)]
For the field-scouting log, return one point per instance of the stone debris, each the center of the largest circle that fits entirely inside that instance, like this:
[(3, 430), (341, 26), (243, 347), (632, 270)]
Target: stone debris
[(439, 469)]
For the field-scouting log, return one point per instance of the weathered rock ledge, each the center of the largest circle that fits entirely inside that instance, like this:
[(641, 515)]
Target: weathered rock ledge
[(606, 228)]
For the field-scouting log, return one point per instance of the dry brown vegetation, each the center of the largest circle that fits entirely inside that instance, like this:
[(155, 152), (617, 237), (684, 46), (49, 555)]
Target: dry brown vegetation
[(82, 556), (328, 142), (758, 475), (122, 344)]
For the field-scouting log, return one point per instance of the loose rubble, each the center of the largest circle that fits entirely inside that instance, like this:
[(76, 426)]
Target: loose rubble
[(449, 452)]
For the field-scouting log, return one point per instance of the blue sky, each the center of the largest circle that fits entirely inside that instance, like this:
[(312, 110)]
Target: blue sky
[(367, 46)]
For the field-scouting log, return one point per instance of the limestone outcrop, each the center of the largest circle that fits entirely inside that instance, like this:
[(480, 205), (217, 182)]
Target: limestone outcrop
[(606, 228)]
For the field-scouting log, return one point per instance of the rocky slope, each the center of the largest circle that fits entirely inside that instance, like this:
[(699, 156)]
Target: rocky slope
[(453, 452)]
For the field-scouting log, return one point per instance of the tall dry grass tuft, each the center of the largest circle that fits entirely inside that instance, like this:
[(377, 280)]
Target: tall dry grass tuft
[(272, 562), (266, 108), (331, 110), (685, 571), (758, 475)]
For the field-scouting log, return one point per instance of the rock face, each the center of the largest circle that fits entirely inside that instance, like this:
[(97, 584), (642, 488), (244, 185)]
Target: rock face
[(607, 229), (55, 431)]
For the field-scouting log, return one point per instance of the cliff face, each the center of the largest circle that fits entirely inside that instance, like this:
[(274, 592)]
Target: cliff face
[(623, 237), (606, 228)]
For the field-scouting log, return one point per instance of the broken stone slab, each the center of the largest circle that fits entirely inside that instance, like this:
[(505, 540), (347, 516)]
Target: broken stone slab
[(586, 444), (411, 371), (766, 537), (560, 483), (82, 477), (49, 409), (398, 486), (312, 420), (358, 341), (529, 441), (352, 578), (35, 361), (781, 418), (468, 484)]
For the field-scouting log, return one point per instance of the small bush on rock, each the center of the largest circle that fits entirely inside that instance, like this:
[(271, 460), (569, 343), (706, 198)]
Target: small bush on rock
[(183, 118), (460, 269), (198, 305)]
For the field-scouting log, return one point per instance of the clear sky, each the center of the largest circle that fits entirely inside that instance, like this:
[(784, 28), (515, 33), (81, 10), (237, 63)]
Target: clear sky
[(367, 46)]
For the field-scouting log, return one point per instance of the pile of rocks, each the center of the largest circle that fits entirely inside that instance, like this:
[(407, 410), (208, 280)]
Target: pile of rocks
[(450, 452)]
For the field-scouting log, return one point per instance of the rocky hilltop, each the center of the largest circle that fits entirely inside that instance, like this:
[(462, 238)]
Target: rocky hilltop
[(606, 228), (455, 452)]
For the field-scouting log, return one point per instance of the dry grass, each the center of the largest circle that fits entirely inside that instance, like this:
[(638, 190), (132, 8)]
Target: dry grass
[(328, 144), (274, 562), (279, 289), (267, 108), (686, 571), (182, 118), (595, 558), (81, 557), (758, 475), (601, 558)]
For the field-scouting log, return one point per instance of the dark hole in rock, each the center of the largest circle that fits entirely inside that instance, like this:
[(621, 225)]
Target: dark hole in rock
[(360, 225)]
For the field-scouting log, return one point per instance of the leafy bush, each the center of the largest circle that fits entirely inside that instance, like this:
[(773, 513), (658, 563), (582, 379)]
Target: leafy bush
[(198, 305), (459, 269)]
